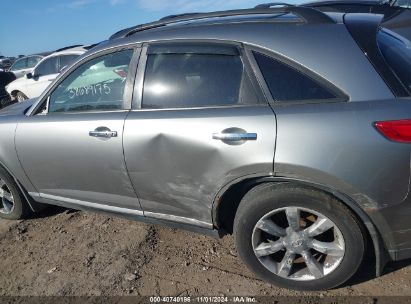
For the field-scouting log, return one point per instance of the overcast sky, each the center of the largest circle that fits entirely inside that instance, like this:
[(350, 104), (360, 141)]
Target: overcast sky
[(28, 26)]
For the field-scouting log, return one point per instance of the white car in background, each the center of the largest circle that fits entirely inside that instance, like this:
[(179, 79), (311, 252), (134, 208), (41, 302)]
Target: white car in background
[(25, 65), (34, 83)]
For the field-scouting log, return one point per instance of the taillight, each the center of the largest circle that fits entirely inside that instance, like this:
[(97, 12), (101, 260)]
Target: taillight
[(396, 130)]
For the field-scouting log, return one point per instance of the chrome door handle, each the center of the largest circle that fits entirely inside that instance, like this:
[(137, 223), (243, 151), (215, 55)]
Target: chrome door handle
[(235, 136), (103, 133)]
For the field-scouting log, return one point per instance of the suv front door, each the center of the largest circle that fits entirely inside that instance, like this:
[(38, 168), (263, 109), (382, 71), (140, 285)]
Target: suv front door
[(72, 149), (198, 123)]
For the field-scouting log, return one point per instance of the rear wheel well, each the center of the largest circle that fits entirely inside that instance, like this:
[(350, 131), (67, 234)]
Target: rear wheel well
[(228, 203)]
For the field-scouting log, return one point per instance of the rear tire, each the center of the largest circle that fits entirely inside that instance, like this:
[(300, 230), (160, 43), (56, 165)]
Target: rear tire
[(298, 238), (13, 205)]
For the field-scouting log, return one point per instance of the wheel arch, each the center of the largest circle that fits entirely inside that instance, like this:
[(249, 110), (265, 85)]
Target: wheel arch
[(34, 206), (14, 92), (228, 199)]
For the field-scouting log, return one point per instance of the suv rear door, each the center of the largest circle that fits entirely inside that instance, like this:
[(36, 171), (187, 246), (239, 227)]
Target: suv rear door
[(198, 122)]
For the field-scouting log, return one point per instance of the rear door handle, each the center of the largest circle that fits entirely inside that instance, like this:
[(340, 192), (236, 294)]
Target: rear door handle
[(103, 132), (235, 136)]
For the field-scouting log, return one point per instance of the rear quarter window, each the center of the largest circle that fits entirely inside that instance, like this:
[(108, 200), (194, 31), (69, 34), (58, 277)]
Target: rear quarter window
[(287, 84)]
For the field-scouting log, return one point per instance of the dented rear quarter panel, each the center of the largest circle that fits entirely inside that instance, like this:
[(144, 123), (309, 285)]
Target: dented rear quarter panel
[(336, 145)]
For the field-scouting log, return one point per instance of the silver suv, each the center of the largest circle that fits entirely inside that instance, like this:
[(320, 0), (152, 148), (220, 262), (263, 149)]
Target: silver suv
[(286, 126)]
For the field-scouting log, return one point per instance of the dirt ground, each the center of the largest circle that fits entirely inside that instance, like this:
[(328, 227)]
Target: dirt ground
[(63, 252)]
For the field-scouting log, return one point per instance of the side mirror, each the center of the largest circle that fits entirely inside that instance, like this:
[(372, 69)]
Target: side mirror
[(29, 75)]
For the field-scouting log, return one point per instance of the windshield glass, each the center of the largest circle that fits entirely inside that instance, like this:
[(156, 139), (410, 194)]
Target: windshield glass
[(397, 53), (403, 3)]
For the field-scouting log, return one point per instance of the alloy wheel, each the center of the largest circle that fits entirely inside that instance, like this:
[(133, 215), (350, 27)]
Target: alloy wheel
[(6, 198), (298, 244), (20, 98)]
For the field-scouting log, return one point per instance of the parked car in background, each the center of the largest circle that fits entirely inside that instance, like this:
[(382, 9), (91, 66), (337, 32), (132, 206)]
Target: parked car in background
[(25, 65), (5, 63), (397, 13), (34, 83), (5, 79)]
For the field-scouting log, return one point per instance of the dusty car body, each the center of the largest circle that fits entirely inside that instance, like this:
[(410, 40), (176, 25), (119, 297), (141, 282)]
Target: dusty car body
[(187, 125)]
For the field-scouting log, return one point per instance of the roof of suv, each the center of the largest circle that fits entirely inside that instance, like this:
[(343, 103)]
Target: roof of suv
[(318, 41), (261, 13)]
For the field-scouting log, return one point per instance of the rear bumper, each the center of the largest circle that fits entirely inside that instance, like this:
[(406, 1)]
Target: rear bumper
[(397, 229), (400, 254)]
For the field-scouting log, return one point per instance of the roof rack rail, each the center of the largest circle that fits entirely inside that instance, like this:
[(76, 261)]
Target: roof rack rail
[(179, 16), (270, 5), (68, 47), (318, 3), (309, 15)]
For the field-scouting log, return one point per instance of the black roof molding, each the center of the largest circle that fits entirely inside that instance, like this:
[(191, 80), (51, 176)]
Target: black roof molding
[(342, 2), (309, 15), (179, 16), (272, 4)]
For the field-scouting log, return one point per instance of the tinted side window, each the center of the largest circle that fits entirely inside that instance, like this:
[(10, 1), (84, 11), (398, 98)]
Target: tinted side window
[(32, 61), (288, 84), (47, 67), (96, 85), (187, 80), (67, 60)]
